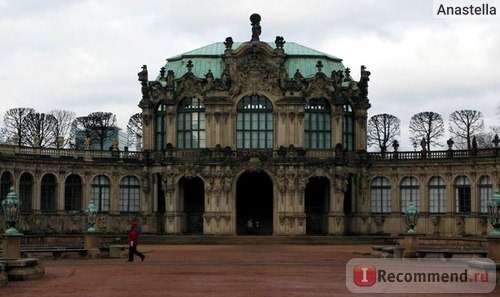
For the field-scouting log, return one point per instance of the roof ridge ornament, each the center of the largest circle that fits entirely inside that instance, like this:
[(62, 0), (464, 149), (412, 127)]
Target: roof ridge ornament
[(256, 29)]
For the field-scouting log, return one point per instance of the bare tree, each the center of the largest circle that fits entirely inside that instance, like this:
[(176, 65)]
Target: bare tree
[(463, 125), (134, 130), (485, 139), (426, 128), (96, 126), (62, 129), (39, 130), (382, 130), (13, 124)]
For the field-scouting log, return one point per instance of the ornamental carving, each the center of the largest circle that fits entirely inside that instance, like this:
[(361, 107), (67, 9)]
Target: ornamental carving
[(258, 72)]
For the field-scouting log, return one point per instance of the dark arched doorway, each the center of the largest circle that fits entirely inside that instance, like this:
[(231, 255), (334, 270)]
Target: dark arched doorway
[(193, 201), (254, 201), (317, 201)]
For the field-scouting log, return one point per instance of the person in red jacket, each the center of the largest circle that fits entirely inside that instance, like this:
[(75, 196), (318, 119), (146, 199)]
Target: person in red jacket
[(132, 242)]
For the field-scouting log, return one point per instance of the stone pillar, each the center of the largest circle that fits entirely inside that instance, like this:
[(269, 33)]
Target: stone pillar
[(3, 275), (90, 244), (11, 247), (411, 246), (493, 246)]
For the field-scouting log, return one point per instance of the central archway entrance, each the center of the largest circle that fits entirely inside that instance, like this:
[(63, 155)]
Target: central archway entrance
[(254, 201), (193, 202), (317, 197)]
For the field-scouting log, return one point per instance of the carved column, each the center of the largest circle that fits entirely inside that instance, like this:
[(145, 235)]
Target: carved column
[(336, 217), (174, 215)]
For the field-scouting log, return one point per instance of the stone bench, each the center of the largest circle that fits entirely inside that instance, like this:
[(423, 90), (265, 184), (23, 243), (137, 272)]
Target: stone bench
[(449, 253), (56, 252), (118, 250)]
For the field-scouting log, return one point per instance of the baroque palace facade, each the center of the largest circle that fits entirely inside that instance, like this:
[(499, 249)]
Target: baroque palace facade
[(269, 132)]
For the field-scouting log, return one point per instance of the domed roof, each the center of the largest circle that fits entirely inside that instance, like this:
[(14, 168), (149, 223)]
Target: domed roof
[(210, 57)]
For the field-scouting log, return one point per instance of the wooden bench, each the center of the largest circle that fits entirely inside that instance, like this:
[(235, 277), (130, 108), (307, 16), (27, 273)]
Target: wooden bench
[(57, 252), (449, 253)]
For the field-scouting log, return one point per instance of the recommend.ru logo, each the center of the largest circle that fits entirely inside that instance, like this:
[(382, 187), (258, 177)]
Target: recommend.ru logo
[(376, 275)]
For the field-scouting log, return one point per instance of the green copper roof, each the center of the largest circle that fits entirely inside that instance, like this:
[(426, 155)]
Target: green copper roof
[(210, 58)]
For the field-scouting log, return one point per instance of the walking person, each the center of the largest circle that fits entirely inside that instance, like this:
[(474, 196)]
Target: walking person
[(133, 242)]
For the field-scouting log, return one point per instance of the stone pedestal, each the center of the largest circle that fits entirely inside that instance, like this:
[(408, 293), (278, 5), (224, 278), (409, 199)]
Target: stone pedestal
[(411, 246), (493, 246), (3, 275), (90, 244), (11, 246), (24, 269)]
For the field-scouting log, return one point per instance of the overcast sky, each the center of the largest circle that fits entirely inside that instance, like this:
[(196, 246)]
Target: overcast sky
[(84, 55)]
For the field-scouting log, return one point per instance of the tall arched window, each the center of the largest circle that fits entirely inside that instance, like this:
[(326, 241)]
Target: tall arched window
[(191, 124), (410, 192), (254, 123), (101, 192), (437, 195), (6, 181), (130, 194), (26, 192), (73, 193), (160, 129), (317, 124), (485, 192), (462, 195), (348, 127), (380, 195), (48, 193)]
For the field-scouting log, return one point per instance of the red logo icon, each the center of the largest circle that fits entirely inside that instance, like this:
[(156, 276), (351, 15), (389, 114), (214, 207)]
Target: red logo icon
[(365, 275)]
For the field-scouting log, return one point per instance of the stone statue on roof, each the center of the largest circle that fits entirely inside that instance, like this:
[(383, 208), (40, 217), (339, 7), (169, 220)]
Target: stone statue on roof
[(256, 29)]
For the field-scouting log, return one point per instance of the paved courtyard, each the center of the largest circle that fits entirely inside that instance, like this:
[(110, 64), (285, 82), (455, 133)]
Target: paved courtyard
[(202, 270)]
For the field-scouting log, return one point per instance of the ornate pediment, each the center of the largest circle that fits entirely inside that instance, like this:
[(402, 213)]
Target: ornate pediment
[(189, 86), (256, 68)]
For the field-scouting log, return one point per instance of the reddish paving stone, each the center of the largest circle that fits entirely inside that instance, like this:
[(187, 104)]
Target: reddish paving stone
[(202, 270)]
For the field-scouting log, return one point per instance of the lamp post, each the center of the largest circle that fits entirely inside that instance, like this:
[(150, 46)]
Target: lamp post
[(494, 213), (11, 206), (411, 218)]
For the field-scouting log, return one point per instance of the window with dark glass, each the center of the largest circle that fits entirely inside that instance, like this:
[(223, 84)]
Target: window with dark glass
[(463, 195), (48, 193), (348, 127), (191, 123), (437, 195), (101, 192), (380, 195), (130, 194), (160, 129), (254, 123), (485, 193), (410, 192), (26, 192), (317, 124), (73, 193)]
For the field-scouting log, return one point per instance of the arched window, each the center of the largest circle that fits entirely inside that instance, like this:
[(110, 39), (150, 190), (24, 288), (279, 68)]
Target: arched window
[(101, 192), (130, 194), (317, 124), (410, 192), (191, 124), (73, 193), (462, 195), (160, 129), (6, 181), (437, 195), (26, 192), (254, 123), (380, 195), (348, 127), (48, 193), (485, 193)]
